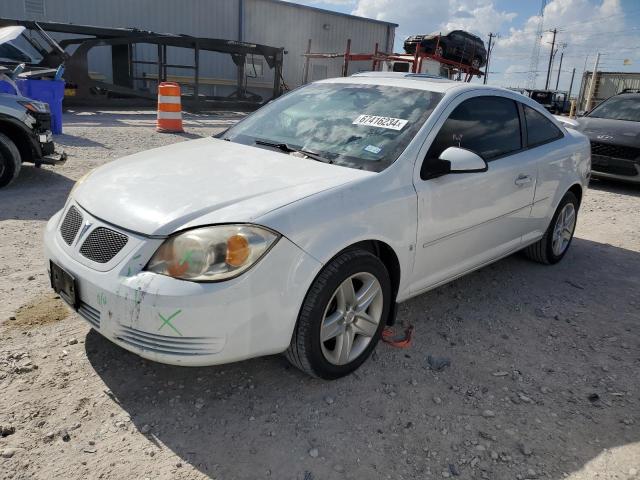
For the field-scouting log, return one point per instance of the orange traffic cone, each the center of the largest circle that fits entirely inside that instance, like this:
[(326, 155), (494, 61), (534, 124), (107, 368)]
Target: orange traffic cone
[(169, 108)]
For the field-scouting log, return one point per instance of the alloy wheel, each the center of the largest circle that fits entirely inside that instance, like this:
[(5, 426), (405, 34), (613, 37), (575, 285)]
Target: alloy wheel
[(563, 229), (351, 318)]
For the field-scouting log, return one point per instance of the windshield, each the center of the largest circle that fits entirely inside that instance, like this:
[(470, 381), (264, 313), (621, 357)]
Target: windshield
[(619, 108), (11, 53), (353, 125)]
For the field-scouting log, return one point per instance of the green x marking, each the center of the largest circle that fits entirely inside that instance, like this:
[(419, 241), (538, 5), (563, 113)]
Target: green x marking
[(186, 257), (167, 321)]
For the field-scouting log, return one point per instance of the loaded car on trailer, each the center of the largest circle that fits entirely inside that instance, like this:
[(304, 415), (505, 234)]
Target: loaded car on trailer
[(457, 46)]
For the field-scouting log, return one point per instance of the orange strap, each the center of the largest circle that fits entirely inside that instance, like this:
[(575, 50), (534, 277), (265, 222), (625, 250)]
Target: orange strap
[(389, 336)]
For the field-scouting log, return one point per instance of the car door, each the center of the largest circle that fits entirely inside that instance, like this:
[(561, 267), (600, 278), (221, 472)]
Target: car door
[(465, 220)]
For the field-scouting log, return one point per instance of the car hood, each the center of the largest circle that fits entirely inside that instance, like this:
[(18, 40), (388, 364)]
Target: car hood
[(202, 182), (605, 130)]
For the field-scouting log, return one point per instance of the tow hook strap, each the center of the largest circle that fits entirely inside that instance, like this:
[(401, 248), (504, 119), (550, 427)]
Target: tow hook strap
[(389, 336)]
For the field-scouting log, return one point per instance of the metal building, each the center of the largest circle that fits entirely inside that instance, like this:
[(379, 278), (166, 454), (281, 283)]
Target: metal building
[(271, 22), (607, 84)]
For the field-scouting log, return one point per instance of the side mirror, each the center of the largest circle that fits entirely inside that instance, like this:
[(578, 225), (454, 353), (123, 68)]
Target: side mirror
[(463, 161), (455, 160)]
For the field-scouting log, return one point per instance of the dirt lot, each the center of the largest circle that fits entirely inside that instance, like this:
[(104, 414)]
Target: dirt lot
[(544, 378)]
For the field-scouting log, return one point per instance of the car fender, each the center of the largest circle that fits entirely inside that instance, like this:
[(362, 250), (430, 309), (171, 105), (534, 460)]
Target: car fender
[(568, 165), (24, 138), (380, 207)]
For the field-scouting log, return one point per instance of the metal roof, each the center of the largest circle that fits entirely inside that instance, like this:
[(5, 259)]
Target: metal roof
[(331, 12)]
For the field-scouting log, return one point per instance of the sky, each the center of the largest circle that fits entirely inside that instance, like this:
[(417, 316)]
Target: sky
[(585, 27)]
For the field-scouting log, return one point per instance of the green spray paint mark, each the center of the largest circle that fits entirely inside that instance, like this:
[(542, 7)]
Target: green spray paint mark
[(167, 321), (186, 257), (129, 271), (101, 298)]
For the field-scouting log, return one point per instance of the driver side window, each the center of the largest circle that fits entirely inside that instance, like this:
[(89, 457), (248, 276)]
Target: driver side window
[(488, 126)]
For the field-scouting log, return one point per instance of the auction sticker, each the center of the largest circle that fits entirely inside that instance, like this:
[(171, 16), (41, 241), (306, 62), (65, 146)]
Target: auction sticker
[(380, 122)]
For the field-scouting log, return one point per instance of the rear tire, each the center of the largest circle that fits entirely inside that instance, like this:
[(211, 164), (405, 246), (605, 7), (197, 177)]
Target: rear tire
[(335, 332), (10, 161), (555, 243)]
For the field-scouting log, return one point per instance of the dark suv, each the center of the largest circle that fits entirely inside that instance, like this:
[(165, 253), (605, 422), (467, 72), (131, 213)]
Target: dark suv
[(25, 136), (458, 46)]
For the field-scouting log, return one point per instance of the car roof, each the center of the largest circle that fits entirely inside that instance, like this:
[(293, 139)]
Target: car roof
[(409, 80)]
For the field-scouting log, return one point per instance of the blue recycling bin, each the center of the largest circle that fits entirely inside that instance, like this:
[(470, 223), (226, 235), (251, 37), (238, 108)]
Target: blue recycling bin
[(48, 91)]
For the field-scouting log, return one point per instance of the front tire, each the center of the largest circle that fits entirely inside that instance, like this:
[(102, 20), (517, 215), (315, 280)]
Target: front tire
[(342, 316), (553, 246), (10, 161)]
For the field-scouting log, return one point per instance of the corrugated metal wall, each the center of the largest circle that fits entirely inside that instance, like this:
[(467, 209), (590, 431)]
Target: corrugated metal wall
[(328, 33), (269, 22)]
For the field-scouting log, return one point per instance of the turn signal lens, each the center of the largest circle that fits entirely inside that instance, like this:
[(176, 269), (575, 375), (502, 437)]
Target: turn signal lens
[(211, 254), (238, 250)]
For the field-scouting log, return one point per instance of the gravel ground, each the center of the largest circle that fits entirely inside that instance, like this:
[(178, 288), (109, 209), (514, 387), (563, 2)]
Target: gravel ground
[(543, 380)]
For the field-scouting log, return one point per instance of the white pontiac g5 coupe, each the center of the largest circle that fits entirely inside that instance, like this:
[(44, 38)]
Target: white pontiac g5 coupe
[(300, 228)]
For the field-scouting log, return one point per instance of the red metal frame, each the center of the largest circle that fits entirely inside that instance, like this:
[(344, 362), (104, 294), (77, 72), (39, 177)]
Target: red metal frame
[(455, 68)]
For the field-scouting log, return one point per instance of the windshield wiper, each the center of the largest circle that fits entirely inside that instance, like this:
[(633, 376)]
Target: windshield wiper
[(285, 147)]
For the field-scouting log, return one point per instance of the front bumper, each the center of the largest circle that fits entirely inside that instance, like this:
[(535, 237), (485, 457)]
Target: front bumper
[(615, 168), (180, 322)]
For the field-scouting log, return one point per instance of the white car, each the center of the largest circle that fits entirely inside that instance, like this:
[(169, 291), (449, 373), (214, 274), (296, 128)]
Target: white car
[(300, 228)]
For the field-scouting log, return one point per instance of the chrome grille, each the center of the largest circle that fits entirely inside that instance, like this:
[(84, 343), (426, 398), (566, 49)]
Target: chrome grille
[(71, 225), (90, 314), (169, 345), (103, 244)]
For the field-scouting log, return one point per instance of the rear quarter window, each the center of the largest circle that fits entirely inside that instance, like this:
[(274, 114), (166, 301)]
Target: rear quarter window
[(540, 130)]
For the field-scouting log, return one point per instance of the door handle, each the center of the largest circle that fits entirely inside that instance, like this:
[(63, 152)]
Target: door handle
[(522, 180)]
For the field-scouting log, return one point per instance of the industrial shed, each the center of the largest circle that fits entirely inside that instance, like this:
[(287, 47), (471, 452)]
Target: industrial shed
[(270, 22)]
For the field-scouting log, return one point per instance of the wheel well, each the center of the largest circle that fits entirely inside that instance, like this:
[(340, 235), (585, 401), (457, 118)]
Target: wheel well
[(18, 137), (388, 257), (577, 191)]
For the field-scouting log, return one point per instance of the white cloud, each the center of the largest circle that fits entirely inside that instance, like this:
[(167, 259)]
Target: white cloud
[(477, 16), (583, 25)]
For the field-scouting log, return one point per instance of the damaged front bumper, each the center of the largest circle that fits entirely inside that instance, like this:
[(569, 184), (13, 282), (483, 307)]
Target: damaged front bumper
[(175, 321)]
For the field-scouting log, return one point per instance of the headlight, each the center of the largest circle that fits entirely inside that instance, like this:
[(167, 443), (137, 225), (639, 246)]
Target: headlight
[(214, 253), (35, 106)]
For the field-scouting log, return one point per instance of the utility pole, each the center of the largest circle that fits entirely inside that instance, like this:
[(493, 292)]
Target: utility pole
[(486, 67), (573, 74), (553, 44), (568, 97), (559, 69), (592, 85)]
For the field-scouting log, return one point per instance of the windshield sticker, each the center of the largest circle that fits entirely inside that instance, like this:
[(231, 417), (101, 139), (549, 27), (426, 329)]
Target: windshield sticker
[(380, 122), (372, 149)]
